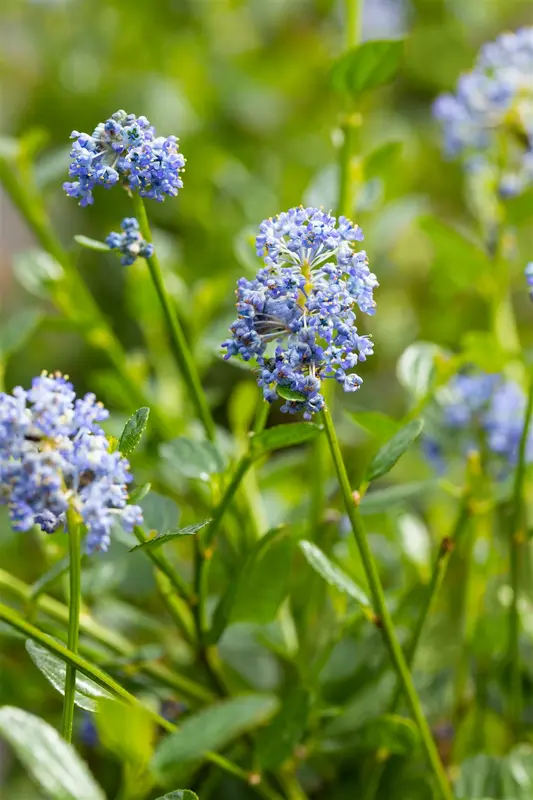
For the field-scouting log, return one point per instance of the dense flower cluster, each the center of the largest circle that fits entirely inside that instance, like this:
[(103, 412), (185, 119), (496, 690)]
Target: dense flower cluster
[(125, 150), (297, 318), (53, 453), (489, 121), (529, 278), (130, 243), (486, 408)]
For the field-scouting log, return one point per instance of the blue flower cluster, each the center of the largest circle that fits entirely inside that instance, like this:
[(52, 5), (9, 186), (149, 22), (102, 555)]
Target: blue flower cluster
[(489, 409), (529, 278), (489, 121), (297, 318), (53, 453), (125, 150), (130, 243)]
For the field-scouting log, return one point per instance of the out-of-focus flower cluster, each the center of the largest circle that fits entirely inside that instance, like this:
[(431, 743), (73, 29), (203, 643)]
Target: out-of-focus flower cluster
[(489, 120), (125, 150), (486, 411), (529, 278), (296, 318), (53, 453), (130, 243)]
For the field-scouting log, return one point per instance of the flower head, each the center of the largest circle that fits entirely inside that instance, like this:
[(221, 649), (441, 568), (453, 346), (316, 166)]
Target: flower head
[(125, 150), (53, 453), (297, 317), (130, 243), (489, 120)]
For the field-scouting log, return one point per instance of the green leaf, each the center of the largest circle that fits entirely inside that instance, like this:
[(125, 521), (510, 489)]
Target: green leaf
[(157, 541), (53, 764), (179, 794), (54, 670), (379, 160), (35, 270), (277, 741), (331, 573), (211, 729), (126, 730), (140, 492), (18, 329), (417, 367), (383, 500), (261, 587), (377, 424), (284, 436), (48, 578), (160, 513), (92, 244), (389, 732), (191, 458), (133, 431), (393, 450), (459, 259), (289, 394), (367, 66), (486, 777)]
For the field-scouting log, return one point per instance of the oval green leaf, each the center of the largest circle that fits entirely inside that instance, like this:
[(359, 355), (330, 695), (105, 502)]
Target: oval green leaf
[(289, 394), (133, 431), (375, 423), (367, 66), (92, 244), (393, 450), (331, 573), (53, 764)]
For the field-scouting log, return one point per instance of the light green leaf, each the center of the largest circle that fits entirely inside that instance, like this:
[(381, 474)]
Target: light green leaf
[(367, 66), (277, 741), (417, 367), (54, 670), (17, 330), (290, 394), (331, 573), (179, 794), (92, 244), (53, 764), (35, 269), (377, 424), (393, 450), (126, 730), (211, 729), (384, 500), (486, 777), (160, 513), (379, 160), (157, 541), (140, 492), (461, 260), (284, 436), (191, 458), (133, 431)]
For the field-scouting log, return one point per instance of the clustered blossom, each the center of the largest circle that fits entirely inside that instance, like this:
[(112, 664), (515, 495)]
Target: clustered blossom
[(487, 409), (296, 319), (489, 121), (125, 150), (130, 243), (53, 453)]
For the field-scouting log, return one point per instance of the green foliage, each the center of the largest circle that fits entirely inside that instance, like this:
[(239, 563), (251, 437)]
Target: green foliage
[(169, 536), (280, 436), (331, 573), (133, 431), (91, 244), (393, 450), (367, 66)]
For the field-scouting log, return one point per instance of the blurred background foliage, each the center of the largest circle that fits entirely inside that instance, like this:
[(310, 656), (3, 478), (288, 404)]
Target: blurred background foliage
[(245, 85)]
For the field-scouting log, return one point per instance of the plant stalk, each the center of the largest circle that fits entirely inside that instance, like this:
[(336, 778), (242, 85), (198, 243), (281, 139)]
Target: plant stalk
[(74, 539)]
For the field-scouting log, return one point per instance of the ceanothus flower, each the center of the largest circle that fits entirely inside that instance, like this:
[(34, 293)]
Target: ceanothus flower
[(54, 454), (296, 319), (130, 243), (529, 278), (125, 150), (489, 120)]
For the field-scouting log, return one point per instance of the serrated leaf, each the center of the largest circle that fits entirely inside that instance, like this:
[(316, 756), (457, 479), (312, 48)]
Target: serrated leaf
[(277, 741), (126, 730), (367, 66), (92, 244), (331, 573), (377, 424), (179, 794), (290, 394), (211, 729), (140, 492), (280, 436), (191, 458), (54, 670), (393, 450), (381, 501), (53, 764), (157, 541), (133, 431), (17, 330)]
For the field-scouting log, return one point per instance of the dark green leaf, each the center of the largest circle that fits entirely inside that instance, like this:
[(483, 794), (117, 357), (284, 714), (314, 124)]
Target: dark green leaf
[(92, 244), (284, 436), (211, 729), (157, 541), (17, 330), (393, 450), (289, 394), (277, 741), (179, 794), (53, 764), (191, 458), (55, 670), (384, 500), (133, 431), (140, 492), (389, 732), (377, 424), (367, 66), (331, 573)]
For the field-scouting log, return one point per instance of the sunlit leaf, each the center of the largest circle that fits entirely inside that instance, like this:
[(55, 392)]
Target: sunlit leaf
[(126, 730), (290, 394), (133, 431), (393, 450), (331, 573), (92, 244), (417, 367)]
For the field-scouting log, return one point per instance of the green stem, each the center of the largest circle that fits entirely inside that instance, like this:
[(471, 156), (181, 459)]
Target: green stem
[(74, 538), (515, 540), (103, 679), (354, 10), (384, 621), (178, 342)]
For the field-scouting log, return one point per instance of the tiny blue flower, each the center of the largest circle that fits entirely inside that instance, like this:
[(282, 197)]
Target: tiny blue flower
[(125, 150), (296, 319), (54, 454), (130, 243)]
